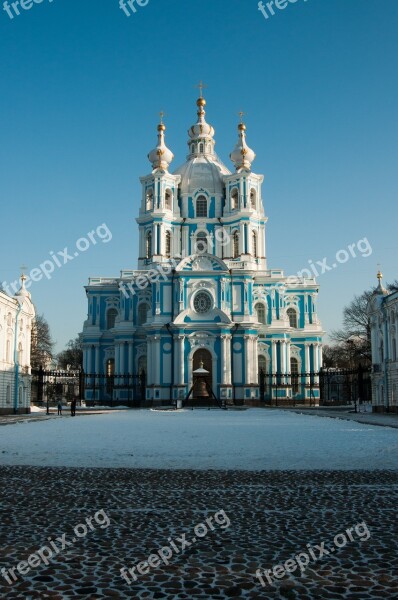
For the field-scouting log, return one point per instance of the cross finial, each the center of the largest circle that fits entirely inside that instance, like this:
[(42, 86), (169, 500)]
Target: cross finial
[(241, 115), (23, 276), (162, 115), (201, 87), (379, 273)]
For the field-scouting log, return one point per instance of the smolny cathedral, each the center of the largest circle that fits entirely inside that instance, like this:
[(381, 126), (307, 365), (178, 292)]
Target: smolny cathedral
[(203, 299)]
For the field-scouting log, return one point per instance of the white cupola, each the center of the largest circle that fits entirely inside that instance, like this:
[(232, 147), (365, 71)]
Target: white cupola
[(242, 156), (161, 157)]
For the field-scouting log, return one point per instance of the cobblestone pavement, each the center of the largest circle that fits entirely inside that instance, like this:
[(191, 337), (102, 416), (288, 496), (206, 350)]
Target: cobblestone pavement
[(273, 515)]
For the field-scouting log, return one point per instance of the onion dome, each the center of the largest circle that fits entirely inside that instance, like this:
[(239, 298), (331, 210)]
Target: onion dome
[(201, 130), (242, 156), (161, 157), (380, 288)]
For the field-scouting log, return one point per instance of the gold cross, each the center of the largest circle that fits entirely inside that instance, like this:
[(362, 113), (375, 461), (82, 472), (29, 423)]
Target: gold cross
[(241, 114), (162, 115), (201, 87), (23, 276)]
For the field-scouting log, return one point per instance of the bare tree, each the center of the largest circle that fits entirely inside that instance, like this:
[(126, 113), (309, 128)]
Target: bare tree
[(355, 332), (72, 356), (41, 344)]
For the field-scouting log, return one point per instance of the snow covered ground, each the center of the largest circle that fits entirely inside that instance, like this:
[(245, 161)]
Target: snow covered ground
[(253, 440)]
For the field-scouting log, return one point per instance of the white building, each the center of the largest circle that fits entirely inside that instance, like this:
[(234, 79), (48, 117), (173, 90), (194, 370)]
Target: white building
[(203, 294), (16, 316), (383, 315)]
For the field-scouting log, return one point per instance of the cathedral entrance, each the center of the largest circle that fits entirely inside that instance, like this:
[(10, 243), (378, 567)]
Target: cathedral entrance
[(202, 382)]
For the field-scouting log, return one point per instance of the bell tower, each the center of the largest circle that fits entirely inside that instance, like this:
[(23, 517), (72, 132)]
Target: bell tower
[(159, 207)]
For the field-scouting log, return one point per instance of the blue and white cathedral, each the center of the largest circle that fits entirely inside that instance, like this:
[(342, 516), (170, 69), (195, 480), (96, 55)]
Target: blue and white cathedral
[(203, 299)]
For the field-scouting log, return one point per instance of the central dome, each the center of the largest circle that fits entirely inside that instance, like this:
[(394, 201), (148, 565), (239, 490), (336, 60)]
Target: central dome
[(202, 172)]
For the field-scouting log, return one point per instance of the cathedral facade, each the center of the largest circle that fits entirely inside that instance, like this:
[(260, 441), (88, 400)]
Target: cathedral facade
[(203, 299)]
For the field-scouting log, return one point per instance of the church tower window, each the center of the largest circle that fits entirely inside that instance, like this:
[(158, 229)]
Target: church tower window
[(149, 200), (149, 244), (253, 198), (168, 244), (260, 310), (143, 313), (292, 315), (168, 200), (235, 244), (111, 318), (234, 199), (201, 207)]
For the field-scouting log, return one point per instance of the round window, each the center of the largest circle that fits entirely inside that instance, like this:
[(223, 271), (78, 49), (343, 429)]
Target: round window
[(202, 303)]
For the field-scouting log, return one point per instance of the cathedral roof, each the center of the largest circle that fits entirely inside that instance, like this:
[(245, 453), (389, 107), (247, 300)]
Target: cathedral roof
[(202, 172)]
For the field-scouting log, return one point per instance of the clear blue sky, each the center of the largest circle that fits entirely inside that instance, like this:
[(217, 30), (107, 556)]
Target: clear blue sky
[(81, 88)]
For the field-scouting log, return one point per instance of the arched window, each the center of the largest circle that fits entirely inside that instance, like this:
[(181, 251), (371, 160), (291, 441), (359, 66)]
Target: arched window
[(193, 149), (168, 244), (142, 313), (148, 249), (200, 147), (292, 316), (294, 370), (234, 199), (253, 198), (201, 207), (260, 310), (254, 244), (201, 243), (394, 349), (149, 199), (235, 244), (111, 318), (262, 364), (20, 353), (381, 352), (20, 395), (168, 200), (8, 395)]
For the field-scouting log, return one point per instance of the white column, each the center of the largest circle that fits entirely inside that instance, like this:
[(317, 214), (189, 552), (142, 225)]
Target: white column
[(307, 363), (181, 339), (121, 359), (274, 357), (156, 359), (149, 361), (316, 362), (288, 356), (97, 359), (255, 360), (228, 378), (223, 359), (130, 365), (247, 359)]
